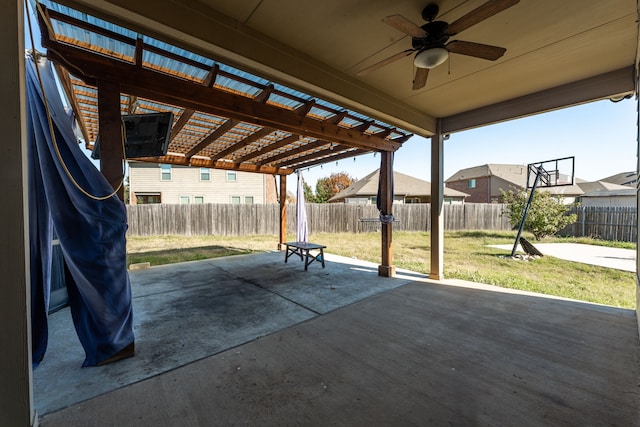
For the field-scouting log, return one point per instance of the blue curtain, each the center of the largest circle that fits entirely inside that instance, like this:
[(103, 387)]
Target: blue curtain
[(91, 232)]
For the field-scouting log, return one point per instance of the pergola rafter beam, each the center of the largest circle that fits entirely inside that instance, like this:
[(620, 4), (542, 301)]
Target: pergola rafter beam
[(316, 161), (184, 118), (276, 145), (295, 151), (220, 130), (301, 159), (204, 162), (240, 145), (154, 85)]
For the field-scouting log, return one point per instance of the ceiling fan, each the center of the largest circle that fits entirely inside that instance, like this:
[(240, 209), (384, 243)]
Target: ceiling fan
[(431, 40)]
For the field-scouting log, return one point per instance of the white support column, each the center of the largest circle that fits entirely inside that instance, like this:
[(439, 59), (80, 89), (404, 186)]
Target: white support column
[(16, 396), (437, 203)]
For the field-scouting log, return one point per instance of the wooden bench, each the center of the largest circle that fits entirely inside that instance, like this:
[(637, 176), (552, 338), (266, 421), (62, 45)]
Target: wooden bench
[(302, 249)]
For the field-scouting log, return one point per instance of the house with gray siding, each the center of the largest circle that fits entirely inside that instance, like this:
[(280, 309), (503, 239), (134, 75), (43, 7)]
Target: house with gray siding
[(406, 189), (171, 184)]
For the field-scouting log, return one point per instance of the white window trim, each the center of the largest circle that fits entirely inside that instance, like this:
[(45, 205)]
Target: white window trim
[(162, 173), (231, 180)]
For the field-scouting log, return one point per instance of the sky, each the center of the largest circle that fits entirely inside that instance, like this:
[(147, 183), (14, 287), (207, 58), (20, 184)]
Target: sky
[(600, 135)]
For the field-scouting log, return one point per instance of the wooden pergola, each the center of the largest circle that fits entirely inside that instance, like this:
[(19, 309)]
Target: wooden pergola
[(223, 118)]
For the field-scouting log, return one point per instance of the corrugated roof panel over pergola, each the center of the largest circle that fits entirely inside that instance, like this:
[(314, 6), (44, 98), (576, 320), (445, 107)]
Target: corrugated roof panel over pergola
[(234, 120)]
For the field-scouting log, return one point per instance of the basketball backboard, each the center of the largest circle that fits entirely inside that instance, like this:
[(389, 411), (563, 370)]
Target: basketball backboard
[(552, 173)]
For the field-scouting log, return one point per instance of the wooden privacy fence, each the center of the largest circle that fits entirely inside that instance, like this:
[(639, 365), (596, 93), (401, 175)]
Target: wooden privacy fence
[(607, 223), (603, 222), (239, 220)]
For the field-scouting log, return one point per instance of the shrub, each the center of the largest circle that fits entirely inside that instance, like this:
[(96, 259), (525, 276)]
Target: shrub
[(547, 214)]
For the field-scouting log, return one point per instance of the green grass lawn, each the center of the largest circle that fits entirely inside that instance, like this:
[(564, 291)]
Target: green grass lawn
[(467, 256)]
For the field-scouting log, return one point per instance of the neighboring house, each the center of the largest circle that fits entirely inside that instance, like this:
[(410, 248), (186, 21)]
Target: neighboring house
[(624, 178), (576, 192), (171, 184), (406, 189), (484, 184), (624, 197)]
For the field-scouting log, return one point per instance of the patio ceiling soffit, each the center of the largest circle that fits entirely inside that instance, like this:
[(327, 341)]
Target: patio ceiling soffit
[(269, 137)]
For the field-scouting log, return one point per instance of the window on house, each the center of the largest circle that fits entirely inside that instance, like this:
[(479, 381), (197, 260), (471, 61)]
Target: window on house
[(147, 198), (165, 172), (471, 183), (248, 200), (232, 176), (185, 200), (373, 200), (198, 200), (235, 200), (205, 174)]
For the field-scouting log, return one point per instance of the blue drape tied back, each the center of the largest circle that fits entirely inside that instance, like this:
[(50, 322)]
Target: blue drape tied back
[(91, 232)]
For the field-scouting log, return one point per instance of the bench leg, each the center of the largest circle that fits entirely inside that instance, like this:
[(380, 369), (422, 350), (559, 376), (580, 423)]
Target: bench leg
[(292, 251), (306, 259)]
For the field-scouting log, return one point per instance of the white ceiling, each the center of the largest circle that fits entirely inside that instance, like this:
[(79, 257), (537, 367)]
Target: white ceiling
[(559, 53)]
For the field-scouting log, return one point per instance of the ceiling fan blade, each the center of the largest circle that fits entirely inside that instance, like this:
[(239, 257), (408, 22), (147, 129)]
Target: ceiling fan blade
[(479, 14), (401, 23), (478, 50), (420, 78), (384, 62)]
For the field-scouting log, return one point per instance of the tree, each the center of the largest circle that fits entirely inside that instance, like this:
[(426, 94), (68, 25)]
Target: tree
[(328, 187), (308, 192), (547, 214)]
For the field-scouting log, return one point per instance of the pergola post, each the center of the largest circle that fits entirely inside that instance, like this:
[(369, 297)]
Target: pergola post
[(111, 148), (16, 393), (283, 212), (437, 203), (386, 268)]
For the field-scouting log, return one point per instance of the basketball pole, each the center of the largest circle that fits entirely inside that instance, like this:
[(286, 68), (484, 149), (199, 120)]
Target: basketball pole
[(526, 211)]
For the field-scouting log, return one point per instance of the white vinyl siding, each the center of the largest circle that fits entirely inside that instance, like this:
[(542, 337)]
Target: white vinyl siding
[(145, 178)]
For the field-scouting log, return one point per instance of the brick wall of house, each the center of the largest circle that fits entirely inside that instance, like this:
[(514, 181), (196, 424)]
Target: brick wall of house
[(479, 194)]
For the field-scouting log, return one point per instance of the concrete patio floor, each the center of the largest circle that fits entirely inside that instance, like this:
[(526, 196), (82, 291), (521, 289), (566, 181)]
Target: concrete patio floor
[(250, 340)]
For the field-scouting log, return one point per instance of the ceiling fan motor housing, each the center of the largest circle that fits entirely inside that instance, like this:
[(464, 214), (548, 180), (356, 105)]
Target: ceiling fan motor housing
[(436, 35)]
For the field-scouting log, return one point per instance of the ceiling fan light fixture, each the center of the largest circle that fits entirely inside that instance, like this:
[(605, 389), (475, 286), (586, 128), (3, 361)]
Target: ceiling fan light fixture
[(431, 58)]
